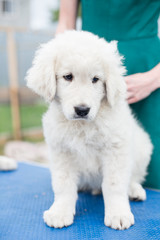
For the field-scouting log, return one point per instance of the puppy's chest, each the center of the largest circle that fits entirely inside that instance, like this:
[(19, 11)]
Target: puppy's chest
[(86, 143), (79, 138), (85, 140), (87, 146)]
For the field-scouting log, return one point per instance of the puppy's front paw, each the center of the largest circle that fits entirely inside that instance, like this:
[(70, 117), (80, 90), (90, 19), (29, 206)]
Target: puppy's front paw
[(119, 221), (58, 218), (137, 192)]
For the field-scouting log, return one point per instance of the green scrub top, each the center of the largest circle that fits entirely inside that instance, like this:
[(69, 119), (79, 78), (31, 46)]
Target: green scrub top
[(134, 23)]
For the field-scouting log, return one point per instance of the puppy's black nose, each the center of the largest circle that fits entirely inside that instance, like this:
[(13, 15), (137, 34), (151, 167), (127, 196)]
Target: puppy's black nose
[(81, 110)]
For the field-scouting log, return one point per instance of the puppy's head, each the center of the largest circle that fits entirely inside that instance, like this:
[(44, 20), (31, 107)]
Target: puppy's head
[(78, 70)]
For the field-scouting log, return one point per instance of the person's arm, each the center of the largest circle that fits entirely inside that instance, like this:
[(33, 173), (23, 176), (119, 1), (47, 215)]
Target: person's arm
[(68, 15), (141, 85)]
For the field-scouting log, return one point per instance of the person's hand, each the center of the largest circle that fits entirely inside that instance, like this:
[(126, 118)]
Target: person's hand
[(141, 85)]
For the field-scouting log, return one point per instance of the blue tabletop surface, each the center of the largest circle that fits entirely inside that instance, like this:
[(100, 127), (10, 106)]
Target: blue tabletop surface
[(26, 193)]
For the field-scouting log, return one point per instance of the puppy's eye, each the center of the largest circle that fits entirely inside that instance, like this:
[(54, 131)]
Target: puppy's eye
[(68, 77), (95, 79)]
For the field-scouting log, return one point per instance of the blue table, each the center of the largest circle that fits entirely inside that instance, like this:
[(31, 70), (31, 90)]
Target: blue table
[(26, 193)]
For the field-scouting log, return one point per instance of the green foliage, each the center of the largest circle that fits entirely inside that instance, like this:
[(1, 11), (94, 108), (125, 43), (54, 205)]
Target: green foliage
[(79, 11), (54, 15), (31, 116), (5, 119)]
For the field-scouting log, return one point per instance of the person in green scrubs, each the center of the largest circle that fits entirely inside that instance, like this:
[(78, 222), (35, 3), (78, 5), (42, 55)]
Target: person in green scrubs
[(134, 24)]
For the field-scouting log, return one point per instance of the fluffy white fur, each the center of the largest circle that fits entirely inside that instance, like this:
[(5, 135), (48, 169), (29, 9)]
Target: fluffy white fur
[(107, 150), (7, 163)]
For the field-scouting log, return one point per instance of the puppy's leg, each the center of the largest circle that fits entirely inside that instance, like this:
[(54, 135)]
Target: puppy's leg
[(96, 192), (116, 173), (136, 192), (142, 155), (64, 182)]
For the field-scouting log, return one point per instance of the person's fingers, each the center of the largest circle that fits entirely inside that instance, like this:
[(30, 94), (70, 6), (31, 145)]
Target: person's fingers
[(129, 94), (132, 100), (129, 84), (130, 88), (129, 78)]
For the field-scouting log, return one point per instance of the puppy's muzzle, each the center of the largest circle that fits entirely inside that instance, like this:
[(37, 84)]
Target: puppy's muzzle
[(82, 111)]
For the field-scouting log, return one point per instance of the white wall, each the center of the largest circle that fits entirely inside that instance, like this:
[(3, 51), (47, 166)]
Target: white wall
[(40, 16), (19, 16)]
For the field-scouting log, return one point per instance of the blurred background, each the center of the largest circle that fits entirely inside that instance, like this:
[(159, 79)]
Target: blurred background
[(24, 25)]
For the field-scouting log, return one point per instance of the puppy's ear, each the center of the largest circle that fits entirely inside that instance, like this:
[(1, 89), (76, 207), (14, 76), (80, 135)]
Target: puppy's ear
[(41, 76), (115, 71)]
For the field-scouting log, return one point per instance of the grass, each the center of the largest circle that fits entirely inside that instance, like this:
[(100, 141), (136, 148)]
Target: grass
[(5, 119), (30, 117), (1, 150)]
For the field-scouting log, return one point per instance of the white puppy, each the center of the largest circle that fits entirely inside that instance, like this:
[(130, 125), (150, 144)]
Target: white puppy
[(94, 141)]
